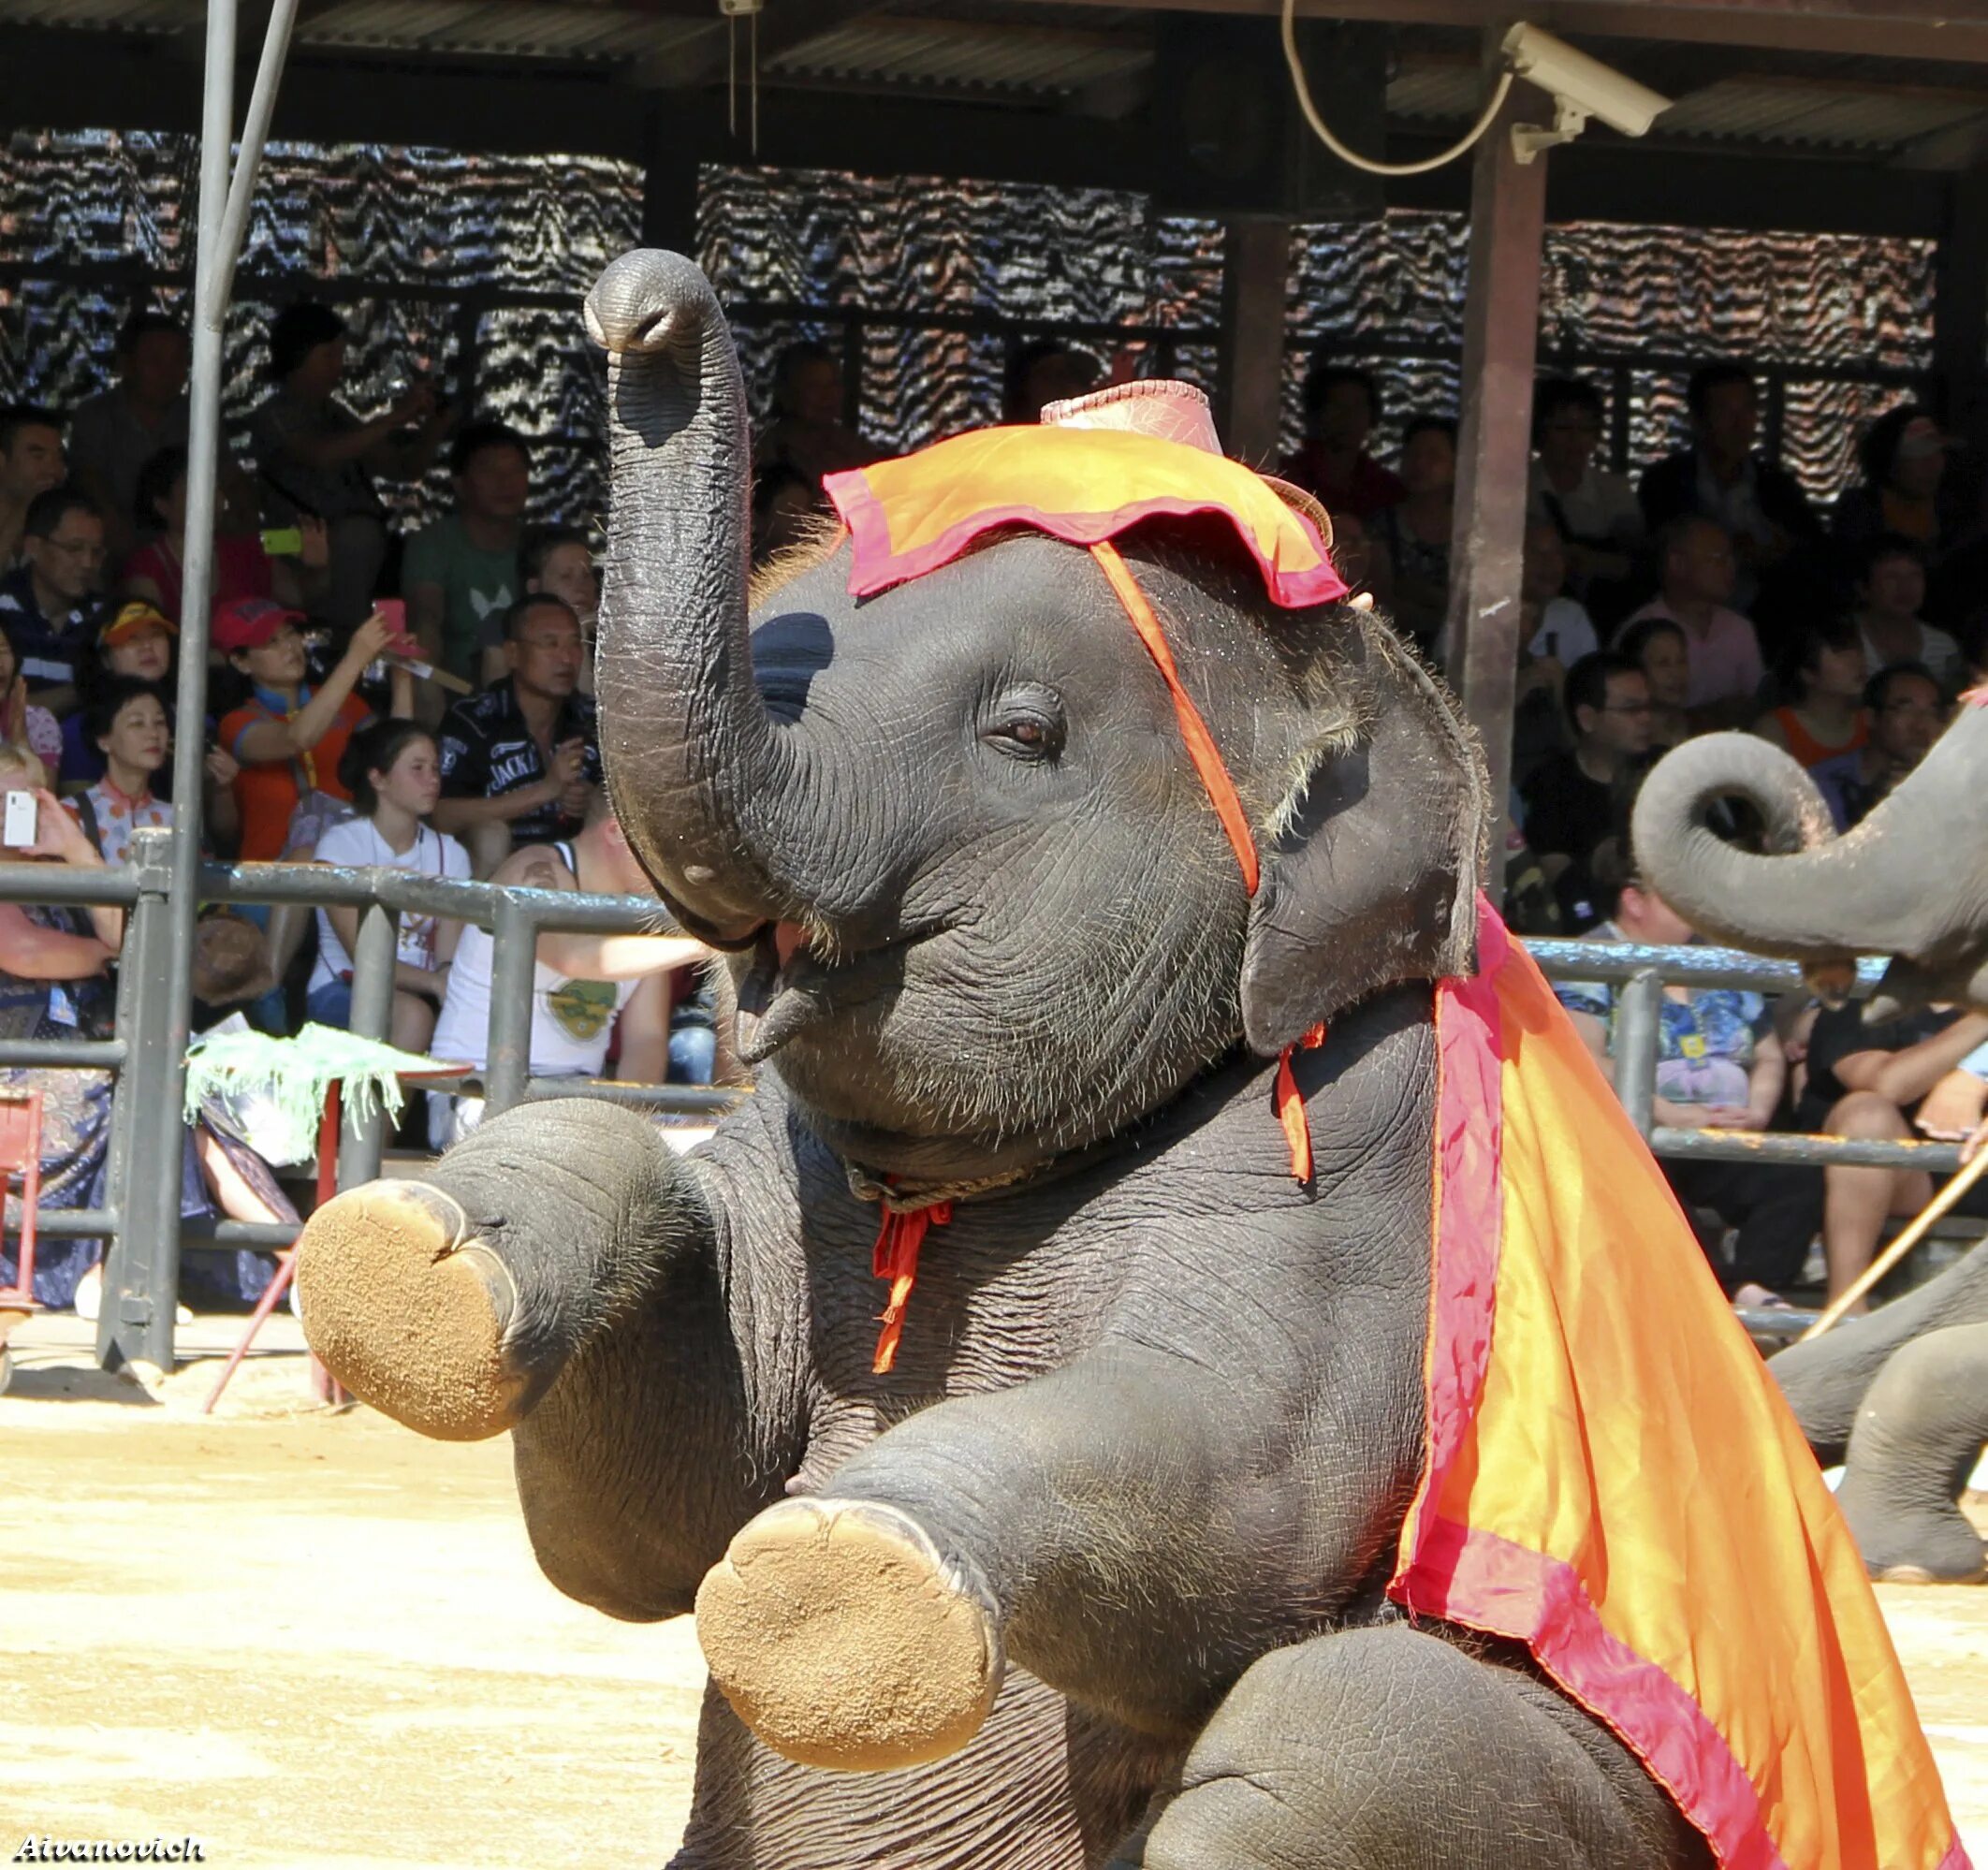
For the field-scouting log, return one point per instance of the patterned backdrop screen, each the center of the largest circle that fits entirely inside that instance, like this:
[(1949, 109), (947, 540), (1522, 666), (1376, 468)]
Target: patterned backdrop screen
[(478, 265), (486, 258)]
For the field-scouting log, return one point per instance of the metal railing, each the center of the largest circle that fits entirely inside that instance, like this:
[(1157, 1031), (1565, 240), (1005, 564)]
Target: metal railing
[(140, 1224)]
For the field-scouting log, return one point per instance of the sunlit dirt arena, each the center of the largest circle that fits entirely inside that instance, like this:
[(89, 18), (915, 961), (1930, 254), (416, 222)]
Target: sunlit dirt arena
[(310, 1639)]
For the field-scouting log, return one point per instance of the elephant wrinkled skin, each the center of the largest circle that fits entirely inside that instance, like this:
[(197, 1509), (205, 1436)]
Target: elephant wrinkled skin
[(1901, 1396), (1097, 1570)]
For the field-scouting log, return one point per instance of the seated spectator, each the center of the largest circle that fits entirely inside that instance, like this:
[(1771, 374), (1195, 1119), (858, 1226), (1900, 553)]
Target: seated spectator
[(114, 433), (54, 984), (1045, 372), (1722, 652), (22, 724), (1761, 507), (1869, 1082), (287, 738), (1825, 676), (581, 987), (135, 642), (1576, 800), (1595, 512), (1657, 647), (1904, 458), (30, 465), (317, 458), (557, 561), (1907, 714), (1342, 408), (1890, 588), (155, 572), (460, 574), (521, 763), (807, 434), (1555, 632), (1416, 530), (394, 774), (1719, 1067), (786, 508), (128, 726), (51, 603)]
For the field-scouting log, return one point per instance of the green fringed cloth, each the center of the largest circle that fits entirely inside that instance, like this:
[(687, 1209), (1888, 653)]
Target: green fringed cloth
[(285, 1081)]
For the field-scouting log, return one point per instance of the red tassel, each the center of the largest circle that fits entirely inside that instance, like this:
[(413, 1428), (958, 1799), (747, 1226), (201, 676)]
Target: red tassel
[(1291, 1106), (895, 1257)]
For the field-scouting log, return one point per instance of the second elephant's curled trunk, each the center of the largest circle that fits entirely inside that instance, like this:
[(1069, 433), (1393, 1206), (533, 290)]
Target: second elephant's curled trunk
[(691, 754), (1909, 882)]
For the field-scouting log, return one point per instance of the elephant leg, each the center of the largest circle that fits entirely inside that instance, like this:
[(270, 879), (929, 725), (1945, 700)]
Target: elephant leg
[(1825, 1380), (555, 1275), (1917, 1437), (1093, 1522), (1391, 1749)]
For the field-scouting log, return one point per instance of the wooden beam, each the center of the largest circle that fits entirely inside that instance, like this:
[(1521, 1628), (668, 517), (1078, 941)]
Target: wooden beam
[(1502, 322), (1255, 281), (1960, 310)]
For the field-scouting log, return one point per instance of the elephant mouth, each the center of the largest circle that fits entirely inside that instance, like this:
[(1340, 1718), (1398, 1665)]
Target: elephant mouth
[(790, 986)]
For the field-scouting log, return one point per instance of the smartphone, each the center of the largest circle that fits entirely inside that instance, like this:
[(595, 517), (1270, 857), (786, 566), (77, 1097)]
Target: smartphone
[(394, 609), (21, 821), (283, 542)]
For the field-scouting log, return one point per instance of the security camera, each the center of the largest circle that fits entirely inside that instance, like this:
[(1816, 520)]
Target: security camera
[(1582, 87)]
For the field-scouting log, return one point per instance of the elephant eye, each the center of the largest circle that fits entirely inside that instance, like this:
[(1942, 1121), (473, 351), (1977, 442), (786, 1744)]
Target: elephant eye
[(1026, 734)]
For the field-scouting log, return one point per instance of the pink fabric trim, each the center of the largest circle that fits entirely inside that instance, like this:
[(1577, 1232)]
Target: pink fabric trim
[(1478, 1579), (875, 566)]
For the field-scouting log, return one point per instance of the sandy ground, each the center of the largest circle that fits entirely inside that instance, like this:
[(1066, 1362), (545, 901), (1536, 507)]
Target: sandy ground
[(312, 1640)]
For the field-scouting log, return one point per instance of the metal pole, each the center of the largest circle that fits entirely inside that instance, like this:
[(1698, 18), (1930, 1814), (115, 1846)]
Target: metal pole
[(373, 955), (1636, 1028), (158, 1079), (141, 1279), (514, 938)]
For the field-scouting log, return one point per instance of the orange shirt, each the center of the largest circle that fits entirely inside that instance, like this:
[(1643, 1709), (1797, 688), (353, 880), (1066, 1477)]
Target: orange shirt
[(269, 791), (1808, 750)]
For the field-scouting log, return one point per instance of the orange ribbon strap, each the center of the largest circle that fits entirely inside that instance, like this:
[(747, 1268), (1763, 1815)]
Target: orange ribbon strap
[(1193, 730), (895, 1257), (1291, 1106)]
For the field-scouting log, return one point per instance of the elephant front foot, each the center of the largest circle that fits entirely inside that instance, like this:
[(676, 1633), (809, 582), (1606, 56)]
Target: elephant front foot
[(409, 1309), (844, 1638)]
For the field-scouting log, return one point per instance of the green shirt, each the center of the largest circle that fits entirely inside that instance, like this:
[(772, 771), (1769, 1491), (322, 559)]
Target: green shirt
[(475, 585)]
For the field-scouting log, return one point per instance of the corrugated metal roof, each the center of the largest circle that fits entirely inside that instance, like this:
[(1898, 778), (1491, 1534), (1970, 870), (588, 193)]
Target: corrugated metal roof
[(882, 49), (517, 27)]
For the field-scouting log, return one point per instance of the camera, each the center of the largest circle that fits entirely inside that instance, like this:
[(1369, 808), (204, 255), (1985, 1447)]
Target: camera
[(1582, 87)]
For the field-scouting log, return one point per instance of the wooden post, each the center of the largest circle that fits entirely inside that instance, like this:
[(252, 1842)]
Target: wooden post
[(1502, 318), (1255, 285), (1960, 308)]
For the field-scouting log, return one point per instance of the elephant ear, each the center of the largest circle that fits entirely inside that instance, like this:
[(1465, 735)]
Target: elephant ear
[(1370, 879)]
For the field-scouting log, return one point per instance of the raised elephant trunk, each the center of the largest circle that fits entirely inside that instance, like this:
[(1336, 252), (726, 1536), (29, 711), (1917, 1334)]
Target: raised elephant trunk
[(1907, 882), (691, 754)]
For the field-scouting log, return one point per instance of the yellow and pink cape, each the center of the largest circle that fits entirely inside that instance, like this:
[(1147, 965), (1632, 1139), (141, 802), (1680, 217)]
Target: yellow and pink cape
[(1611, 1476)]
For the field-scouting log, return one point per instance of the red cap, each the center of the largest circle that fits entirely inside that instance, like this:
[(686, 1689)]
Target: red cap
[(249, 622)]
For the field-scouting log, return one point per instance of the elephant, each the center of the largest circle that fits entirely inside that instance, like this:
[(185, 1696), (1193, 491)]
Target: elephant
[(1087, 1562), (1900, 1398)]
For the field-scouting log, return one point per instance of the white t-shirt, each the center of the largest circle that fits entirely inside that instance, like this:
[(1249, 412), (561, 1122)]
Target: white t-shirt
[(1938, 651), (357, 842), (1565, 621)]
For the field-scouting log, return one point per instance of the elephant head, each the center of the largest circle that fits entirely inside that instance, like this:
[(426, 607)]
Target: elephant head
[(1902, 883), (978, 899)]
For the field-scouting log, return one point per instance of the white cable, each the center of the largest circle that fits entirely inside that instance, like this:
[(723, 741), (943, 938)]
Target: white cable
[(1339, 148)]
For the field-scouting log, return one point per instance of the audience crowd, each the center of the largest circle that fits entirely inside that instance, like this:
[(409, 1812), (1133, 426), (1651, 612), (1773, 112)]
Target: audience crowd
[(426, 704)]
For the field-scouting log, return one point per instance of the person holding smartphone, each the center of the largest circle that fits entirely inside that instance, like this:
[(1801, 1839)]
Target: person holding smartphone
[(288, 736)]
